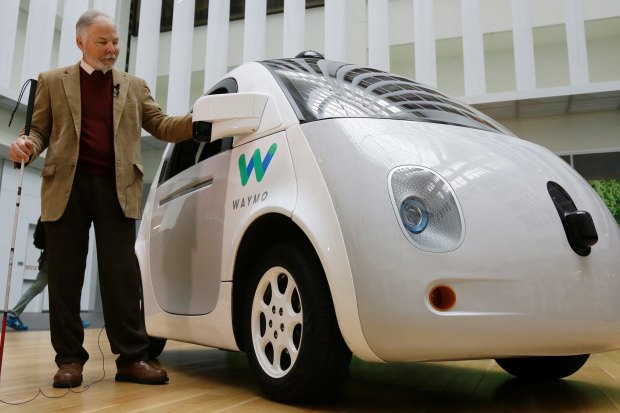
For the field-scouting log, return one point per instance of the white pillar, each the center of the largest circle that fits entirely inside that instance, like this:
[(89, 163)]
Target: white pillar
[(216, 64), (254, 30), (39, 38), (148, 42), (8, 30), (336, 30), (523, 40), (424, 39), (68, 52), (180, 74), (473, 48), (379, 34), (106, 6), (123, 10), (576, 42), (293, 35)]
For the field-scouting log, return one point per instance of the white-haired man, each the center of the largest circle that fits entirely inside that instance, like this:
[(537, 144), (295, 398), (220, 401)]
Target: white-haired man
[(89, 117)]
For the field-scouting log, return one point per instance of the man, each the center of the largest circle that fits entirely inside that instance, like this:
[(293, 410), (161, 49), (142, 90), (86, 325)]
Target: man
[(89, 118)]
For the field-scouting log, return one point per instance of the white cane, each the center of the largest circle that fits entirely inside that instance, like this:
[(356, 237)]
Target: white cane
[(33, 88)]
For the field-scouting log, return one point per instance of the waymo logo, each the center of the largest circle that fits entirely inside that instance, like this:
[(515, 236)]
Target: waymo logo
[(257, 163)]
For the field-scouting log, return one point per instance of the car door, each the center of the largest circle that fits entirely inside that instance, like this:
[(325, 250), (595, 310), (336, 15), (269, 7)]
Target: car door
[(187, 224)]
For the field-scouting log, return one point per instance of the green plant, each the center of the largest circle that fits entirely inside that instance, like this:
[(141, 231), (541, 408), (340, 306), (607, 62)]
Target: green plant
[(609, 191)]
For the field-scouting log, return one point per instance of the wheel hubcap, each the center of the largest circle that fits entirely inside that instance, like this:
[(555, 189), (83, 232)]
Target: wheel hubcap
[(277, 321)]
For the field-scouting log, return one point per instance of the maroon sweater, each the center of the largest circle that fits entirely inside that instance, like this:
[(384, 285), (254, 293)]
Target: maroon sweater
[(97, 138)]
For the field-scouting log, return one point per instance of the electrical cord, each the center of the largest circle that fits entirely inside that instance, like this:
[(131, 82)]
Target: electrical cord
[(70, 389)]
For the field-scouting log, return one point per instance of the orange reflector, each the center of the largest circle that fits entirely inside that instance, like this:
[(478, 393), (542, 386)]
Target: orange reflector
[(442, 297)]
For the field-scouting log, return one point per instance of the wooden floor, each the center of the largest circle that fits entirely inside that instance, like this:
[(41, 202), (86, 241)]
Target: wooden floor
[(207, 380)]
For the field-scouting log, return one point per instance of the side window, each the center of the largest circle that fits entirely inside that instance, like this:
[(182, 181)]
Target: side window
[(182, 157), (207, 150), (188, 153)]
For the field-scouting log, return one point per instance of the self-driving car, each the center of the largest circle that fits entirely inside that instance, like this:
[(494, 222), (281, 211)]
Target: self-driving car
[(324, 210)]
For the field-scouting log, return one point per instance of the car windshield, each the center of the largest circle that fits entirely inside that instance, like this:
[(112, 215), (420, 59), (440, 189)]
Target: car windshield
[(321, 89)]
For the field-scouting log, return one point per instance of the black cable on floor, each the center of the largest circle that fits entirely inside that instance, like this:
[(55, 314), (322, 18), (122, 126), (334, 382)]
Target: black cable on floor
[(70, 389)]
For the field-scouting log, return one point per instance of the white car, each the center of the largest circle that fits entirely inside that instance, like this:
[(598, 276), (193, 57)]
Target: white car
[(326, 209)]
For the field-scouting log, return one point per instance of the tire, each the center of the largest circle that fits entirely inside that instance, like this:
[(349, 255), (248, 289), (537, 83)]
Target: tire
[(291, 335), (543, 368), (156, 346)]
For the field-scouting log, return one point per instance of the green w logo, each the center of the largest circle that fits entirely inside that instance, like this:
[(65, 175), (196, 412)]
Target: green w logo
[(256, 163)]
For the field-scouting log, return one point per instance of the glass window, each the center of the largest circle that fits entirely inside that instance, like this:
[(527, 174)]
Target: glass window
[(321, 89), (602, 170), (598, 165)]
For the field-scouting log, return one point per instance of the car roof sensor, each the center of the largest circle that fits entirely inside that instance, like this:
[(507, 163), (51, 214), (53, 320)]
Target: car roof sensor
[(309, 54)]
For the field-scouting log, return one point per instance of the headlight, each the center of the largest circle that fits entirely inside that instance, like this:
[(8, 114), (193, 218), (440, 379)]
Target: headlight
[(427, 209), (414, 214)]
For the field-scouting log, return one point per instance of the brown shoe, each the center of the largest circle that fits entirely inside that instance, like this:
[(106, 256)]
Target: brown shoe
[(69, 375), (142, 372)]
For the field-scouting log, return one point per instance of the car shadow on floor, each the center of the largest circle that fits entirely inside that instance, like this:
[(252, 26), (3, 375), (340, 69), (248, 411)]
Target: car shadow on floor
[(465, 386)]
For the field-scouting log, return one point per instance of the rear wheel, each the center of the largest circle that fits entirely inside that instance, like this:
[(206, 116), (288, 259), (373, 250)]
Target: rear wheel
[(551, 367), (291, 335)]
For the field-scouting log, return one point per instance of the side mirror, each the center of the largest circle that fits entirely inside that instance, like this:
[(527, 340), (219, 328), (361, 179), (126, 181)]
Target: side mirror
[(234, 114)]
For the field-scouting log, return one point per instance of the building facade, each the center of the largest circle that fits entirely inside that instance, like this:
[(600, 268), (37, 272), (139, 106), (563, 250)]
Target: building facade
[(549, 70)]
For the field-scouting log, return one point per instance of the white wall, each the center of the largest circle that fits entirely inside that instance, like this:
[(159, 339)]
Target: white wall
[(603, 43), (571, 133), (549, 32)]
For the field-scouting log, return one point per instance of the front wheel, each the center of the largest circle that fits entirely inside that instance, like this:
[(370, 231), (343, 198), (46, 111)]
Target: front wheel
[(545, 368), (291, 335)]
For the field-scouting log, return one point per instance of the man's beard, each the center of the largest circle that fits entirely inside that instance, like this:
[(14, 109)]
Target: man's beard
[(106, 63)]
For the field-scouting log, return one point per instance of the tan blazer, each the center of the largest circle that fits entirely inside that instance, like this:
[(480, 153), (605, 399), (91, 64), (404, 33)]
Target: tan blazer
[(56, 125)]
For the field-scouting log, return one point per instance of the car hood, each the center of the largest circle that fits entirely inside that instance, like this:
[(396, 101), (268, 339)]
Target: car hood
[(500, 181)]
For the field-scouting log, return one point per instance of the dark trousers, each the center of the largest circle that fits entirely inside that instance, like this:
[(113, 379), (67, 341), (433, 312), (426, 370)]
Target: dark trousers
[(93, 199)]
